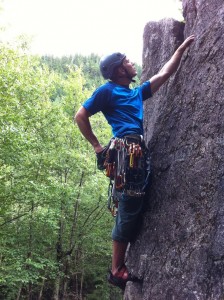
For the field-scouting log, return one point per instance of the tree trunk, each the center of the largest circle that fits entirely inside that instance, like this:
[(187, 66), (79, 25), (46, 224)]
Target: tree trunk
[(57, 288), (19, 293), (30, 248), (180, 250), (81, 284), (41, 289), (66, 254), (75, 214), (59, 253)]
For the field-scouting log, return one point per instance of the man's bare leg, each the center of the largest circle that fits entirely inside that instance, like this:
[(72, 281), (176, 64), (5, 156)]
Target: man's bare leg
[(118, 255)]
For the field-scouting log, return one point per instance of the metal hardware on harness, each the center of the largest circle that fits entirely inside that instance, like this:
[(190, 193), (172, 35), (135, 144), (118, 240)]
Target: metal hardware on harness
[(126, 164), (135, 152), (112, 203), (128, 167), (132, 193)]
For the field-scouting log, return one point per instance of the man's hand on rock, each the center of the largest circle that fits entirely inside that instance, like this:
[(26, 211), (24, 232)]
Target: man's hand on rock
[(188, 41)]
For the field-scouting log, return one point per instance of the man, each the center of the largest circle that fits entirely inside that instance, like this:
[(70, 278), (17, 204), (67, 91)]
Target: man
[(123, 109)]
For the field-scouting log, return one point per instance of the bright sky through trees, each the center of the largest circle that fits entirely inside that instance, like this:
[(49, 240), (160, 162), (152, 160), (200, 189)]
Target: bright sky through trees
[(64, 27)]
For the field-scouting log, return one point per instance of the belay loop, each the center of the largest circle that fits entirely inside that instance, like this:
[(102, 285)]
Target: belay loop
[(127, 165)]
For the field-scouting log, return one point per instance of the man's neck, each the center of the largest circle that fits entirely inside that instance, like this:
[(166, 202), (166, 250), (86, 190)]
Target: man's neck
[(124, 81)]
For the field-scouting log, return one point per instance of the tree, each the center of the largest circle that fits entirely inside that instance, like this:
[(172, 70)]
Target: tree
[(53, 220)]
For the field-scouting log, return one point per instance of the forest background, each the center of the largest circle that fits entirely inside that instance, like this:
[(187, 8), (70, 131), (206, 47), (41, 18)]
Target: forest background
[(55, 237)]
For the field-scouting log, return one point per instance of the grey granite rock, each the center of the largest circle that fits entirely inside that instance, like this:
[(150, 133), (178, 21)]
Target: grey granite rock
[(180, 250)]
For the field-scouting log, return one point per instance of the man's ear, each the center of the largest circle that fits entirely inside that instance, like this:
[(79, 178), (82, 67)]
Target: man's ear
[(121, 71)]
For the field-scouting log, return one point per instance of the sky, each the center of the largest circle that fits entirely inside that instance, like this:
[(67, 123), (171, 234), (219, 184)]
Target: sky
[(67, 27)]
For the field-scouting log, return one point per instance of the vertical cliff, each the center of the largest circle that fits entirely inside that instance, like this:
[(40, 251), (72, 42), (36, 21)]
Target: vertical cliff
[(180, 250)]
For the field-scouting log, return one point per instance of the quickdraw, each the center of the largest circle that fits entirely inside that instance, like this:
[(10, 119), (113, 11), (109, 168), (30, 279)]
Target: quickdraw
[(128, 166), (112, 203)]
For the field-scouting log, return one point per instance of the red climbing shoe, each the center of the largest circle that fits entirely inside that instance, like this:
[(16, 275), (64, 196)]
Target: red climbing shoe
[(121, 277)]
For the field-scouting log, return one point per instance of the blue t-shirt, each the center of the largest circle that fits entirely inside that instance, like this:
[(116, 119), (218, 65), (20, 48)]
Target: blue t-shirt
[(121, 106)]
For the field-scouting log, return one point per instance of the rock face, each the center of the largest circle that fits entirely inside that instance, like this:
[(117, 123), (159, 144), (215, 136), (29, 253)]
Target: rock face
[(180, 250)]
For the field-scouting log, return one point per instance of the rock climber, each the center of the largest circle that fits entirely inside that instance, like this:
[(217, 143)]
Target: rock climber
[(126, 155)]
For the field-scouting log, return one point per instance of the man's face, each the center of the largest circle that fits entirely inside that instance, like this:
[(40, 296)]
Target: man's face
[(129, 67)]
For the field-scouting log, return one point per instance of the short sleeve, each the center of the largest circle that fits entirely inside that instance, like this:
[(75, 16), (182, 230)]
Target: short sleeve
[(98, 101), (146, 90)]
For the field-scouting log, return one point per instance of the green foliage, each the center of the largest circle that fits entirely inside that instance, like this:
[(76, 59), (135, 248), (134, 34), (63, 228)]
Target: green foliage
[(89, 66), (55, 228)]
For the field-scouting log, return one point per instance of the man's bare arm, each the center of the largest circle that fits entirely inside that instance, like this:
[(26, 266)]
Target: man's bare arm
[(171, 66), (82, 120)]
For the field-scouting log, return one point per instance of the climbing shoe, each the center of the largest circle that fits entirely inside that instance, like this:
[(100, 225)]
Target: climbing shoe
[(122, 277)]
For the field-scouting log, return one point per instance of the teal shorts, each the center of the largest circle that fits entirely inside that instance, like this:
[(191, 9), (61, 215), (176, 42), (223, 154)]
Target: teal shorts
[(128, 218)]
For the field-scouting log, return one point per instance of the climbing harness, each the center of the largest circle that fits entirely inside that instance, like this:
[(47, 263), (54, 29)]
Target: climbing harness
[(127, 165)]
